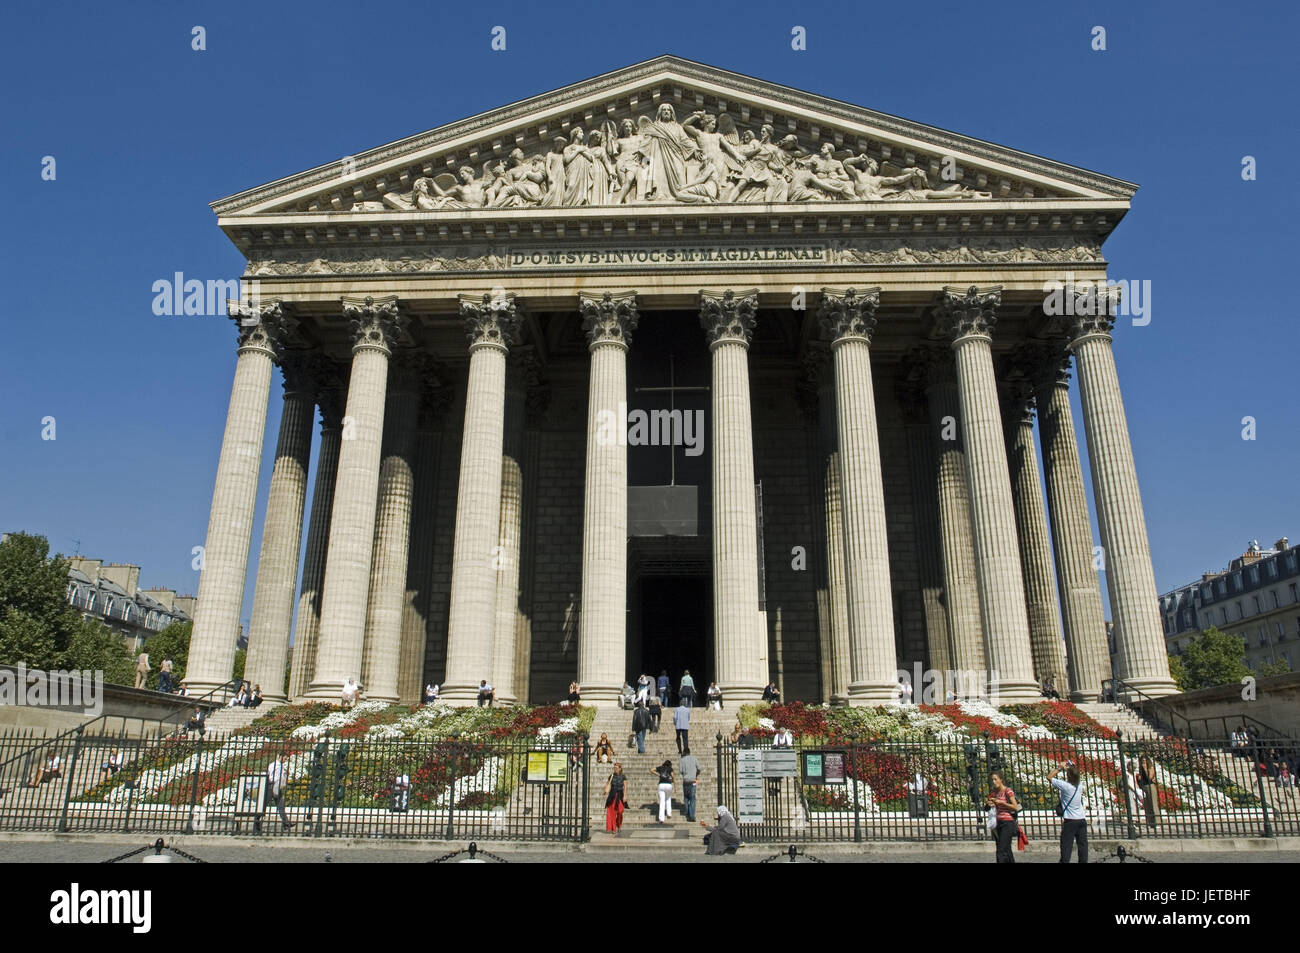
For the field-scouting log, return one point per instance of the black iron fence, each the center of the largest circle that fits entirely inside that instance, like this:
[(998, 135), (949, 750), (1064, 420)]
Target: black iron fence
[(936, 790), (505, 789)]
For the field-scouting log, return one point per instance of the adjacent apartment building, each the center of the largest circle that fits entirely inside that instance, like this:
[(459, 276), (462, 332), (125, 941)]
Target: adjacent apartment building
[(111, 593), (1257, 598)]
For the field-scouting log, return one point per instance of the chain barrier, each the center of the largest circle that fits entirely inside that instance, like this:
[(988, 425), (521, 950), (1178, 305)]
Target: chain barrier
[(473, 850), (792, 854), (1122, 854), (157, 847)]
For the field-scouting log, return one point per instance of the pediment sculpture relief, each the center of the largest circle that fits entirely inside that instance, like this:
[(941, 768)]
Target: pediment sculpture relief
[(701, 160)]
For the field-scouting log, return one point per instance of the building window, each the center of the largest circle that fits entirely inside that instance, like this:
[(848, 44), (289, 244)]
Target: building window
[(1258, 608), (1272, 569), (1290, 561), (1294, 597), (1276, 601), (1254, 575), (1241, 614)]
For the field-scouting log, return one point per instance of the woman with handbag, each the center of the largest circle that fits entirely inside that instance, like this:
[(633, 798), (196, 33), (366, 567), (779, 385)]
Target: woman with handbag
[(1003, 808), (615, 799), (1146, 782), (1069, 808)]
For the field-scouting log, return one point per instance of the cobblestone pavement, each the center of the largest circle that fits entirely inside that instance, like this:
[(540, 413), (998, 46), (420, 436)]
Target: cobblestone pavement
[(32, 849)]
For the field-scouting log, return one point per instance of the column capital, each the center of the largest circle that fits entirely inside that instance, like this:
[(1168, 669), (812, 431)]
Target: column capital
[(263, 327), (848, 315), (375, 323), (331, 395), (728, 317), (609, 319), (1093, 315), (1018, 395), (1046, 364), (491, 320), (302, 370), (970, 312)]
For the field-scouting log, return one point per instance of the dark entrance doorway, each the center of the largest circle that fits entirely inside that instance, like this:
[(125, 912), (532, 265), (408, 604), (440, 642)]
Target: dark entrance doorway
[(676, 629)]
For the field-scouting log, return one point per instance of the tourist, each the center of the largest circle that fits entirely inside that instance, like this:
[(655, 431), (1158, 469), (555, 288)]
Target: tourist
[(724, 837), (486, 693), (904, 691), (665, 773), (277, 776), (784, 738), (643, 689), (686, 690), (351, 693), (615, 800), (1145, 779), (663, 688), (196, 722), (183, 690), (1003, 800), (690, 768), (682, 722), (574, 695), (656, 712), (640, 722), (1133, 788), (111, 766), (254, 698), (141, 669), (431, 694), (165, 676), (1049, 688), (401, 794), (241, 697), (1074, 822), (737, 732), (51, 769), (918, 796), (715, 697), (604, 750), (771, 694)]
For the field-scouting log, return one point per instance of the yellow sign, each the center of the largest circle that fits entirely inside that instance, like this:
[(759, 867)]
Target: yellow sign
[(557, 767), (537, 764)]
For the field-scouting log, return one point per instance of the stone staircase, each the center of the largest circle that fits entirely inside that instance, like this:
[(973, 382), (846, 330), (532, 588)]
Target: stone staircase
[(1120, 718), (639, 822), (225, 720)]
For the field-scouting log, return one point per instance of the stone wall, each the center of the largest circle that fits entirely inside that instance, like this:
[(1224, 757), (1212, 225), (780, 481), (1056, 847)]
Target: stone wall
[(1276, 703)]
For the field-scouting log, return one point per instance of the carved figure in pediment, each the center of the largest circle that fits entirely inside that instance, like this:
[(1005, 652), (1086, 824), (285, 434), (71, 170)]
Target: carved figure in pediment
[(578, 166), (867, 185), (762, 178), (830, 170), (669, 149), (631, 168), (554, 161), (602, 164), (716, 143), (522, 184), (918, 187), (470, 192)]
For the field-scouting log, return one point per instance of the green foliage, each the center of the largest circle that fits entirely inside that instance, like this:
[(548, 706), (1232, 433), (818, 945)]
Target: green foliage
[(27, 639), (1212, 658), (1276, 667), (96, 647), (1178, 673), (241, 656), (172, 642), (36, 622)]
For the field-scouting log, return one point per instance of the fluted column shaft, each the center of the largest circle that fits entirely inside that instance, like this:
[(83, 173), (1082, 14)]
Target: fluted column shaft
[(419, 567), (841, 664), (307, 627), (352, 522), (382, 651), (507, 558), (849, 319), (1088, 653), (234, 501), (472, 613), (740, 644), (993, 519), (277, 566), (1035, 549), (1141, 658), (956, 540), (602, 640)]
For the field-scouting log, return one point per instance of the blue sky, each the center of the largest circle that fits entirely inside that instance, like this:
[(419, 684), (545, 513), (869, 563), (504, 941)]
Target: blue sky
[(146, 132)]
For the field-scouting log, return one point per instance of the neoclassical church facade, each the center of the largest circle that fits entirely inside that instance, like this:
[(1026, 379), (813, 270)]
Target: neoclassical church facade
[(678, 369)]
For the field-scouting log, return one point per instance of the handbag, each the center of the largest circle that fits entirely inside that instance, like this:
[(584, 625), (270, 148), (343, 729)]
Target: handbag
[(991, 819)]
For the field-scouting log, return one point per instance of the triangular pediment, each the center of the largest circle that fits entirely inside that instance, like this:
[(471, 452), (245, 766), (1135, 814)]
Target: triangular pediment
[(670, 132)]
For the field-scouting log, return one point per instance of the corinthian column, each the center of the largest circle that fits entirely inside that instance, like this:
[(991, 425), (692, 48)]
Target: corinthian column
[(1031, 525), (491, 325), (740, 644), (602, 641), (329, 396), (277, 567), (234, 499), (380, 660), (1087, 651), (969, 316), (848, 318), (1140, 657), (956, 541), (376, 325)]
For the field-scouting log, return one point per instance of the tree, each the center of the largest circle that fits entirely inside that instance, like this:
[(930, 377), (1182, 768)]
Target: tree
[(97, 648), (27, 640), (1275, 667), (36, 622), (171, 642), (1212, 658), (241, 656)]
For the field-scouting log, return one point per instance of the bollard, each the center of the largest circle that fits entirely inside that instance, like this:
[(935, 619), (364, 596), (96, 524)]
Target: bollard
[(157, 857)]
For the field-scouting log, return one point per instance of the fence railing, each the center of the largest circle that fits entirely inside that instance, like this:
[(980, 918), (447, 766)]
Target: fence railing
[(870, 790), (505, 789)]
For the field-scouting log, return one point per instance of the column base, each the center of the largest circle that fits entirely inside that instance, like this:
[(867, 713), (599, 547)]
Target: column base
[(1014, 693), (462, 696), (269, 700), (197, 689), (839, 701), (1153, 685), (600, 697), (730, 695), (327, 691), (1085, 698), (865, 695)]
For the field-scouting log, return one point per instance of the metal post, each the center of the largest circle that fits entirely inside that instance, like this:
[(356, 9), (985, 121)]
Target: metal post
[(585, 833), (1123, 776), (857, 815), (717, 748), (451, 796), (194, 789), (72, 771), (1259, 782)]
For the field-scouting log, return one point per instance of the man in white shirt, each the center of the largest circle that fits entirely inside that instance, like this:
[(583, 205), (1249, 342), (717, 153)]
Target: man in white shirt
[(277, 776), (1074, 820), (784, 738), (486, 694), (351, 692)]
